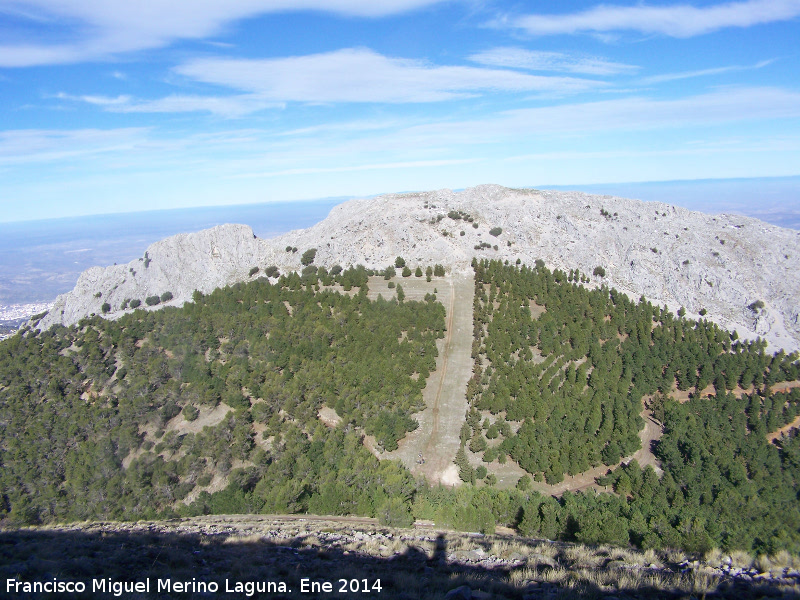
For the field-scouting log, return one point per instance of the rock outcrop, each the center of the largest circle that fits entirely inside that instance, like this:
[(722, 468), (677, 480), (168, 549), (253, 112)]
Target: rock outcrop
[(741, 272)]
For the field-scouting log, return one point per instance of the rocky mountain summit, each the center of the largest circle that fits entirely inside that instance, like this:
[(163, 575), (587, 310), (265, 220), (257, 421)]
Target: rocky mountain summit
[(737, 271)]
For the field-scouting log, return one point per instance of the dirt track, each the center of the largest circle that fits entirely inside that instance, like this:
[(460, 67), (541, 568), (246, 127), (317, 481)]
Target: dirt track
[(583, 481), (436, 439), (771, 437)]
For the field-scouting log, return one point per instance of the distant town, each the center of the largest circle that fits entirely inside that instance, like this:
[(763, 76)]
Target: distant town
[(14, 315)]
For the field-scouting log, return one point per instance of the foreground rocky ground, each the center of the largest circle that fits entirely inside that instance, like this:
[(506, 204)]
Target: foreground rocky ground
[(294, 557)]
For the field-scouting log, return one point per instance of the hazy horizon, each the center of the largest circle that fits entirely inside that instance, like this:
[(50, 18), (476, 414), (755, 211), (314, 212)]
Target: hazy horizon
[(777, 195), (43, 258)]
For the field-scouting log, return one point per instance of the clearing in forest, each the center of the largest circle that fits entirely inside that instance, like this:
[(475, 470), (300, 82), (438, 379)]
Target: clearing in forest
[(436, 439)]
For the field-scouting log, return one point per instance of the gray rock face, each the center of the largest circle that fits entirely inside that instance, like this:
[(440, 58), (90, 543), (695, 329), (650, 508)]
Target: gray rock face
[(672, 256), (180, 264)]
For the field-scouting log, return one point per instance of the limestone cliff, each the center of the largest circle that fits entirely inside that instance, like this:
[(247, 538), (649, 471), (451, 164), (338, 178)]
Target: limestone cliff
[(720, 263)]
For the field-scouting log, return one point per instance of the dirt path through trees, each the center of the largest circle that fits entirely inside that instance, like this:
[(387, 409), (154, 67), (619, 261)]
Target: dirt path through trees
[(437, 439), (583, 481), (771, 437)]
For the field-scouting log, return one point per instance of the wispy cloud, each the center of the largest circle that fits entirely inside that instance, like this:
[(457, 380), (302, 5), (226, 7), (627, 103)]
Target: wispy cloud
[(624, 114), (666, 77), (414, 164), (346, 127), (698, 149), (361, 75), (224, 106), (681, 20), (536, 60), (22, 146), (102, 28), (104, 101)]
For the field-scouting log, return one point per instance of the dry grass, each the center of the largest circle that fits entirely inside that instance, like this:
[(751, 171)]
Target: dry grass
[(713, 557), (777, 562), (675, 556), (546, 549), (700, 583), (584, 557), (741, 559), (556, 575)]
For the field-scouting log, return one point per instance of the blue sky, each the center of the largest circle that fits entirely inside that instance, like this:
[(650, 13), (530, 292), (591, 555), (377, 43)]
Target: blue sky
[(111, 106)]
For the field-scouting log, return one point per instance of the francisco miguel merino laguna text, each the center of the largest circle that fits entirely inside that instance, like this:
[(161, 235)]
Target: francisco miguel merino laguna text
[(118, 588)]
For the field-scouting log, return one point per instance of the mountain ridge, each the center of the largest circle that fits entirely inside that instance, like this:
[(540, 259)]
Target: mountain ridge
[(741, 271)]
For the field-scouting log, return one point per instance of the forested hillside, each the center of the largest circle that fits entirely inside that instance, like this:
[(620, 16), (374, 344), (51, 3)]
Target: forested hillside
[(104, 420), (78, 403), (564, 372)]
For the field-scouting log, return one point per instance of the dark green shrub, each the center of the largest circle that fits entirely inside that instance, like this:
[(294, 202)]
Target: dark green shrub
[(166, 296), (190, 412), (152, 300), (395, 513), (308, 256), (495, 231)]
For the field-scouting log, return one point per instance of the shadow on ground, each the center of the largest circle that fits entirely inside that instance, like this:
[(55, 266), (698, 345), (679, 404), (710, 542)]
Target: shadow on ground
[(187, 564)]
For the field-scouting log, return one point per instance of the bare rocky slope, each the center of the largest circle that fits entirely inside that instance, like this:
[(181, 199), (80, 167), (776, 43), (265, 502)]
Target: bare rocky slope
[(743, 272)]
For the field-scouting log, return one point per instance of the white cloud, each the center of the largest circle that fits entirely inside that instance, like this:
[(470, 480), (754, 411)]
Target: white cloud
[(666, 77), (690, 149), (361, 75), (105, 101), (22, 146), (348, 127), (535, 60), (624, 114), (680, 20), (224, 106), (103, 28)]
